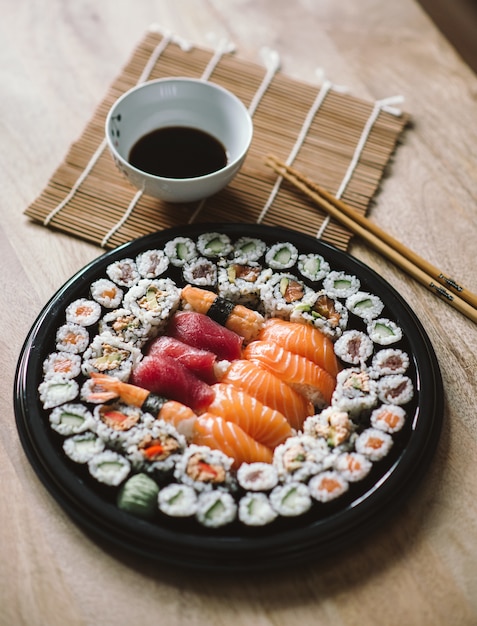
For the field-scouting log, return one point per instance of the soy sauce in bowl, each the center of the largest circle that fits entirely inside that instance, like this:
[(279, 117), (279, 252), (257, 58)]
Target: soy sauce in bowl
[(178, 152)]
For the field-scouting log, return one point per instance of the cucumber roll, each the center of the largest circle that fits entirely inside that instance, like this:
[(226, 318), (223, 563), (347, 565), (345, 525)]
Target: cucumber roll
[(291, 500), (384, 332), (281, 256), (216, 508), (71, 419), (248, 249), (57, 390), (365, 305), (180, 250), (213, 245), (83, 447), (177, 500), (254, 509), (313, 266), (340, 285), (109, 467)]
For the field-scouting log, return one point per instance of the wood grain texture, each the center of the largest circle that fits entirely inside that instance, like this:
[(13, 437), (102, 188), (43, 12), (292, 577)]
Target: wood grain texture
[(56, 61)]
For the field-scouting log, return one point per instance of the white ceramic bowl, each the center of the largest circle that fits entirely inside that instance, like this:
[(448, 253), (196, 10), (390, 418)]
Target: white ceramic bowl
[(179, 102)]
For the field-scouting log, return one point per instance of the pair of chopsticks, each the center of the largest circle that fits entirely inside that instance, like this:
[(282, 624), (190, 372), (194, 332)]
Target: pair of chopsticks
[(431, 277)]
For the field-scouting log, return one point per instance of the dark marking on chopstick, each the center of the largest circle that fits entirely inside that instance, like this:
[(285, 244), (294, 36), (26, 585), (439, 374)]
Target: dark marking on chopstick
[(451, 282), (441, 291)]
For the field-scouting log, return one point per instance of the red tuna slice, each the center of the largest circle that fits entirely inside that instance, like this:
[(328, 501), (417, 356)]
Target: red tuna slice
[(200, 362), (200, 331), (167, 377)]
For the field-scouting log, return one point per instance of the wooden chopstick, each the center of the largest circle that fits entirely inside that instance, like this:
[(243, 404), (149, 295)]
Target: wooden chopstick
[(446, 288)]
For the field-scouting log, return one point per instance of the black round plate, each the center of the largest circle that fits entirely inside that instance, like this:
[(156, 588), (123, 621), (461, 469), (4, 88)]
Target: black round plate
[(291, 541)]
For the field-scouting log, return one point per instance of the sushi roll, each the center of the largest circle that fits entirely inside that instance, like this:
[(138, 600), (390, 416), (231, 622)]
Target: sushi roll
[(300, 457), (57, 390), (155, 448), (353, 466), (83, 447), (109, 467), (127, 326), (72, 338), (240, 282), (106, 293), (365, 305), (201, 272), (123, 273), (254, 509), (281, 294), (257, 476), (115, 422), (389, 361), (374, 444), (322, 311), (395, 389), (180, 250), (83, 312), (216, 508), (291, 500), (389, 417), (354, 347), (177, 500), (355, 392), (332, 424), (138, 496), (340, 285), (71, 419), (281, 256), (65, 364), (313, 266), (154, 301), (248, 249), (204, 469), (327, 486), (109, 355), (152, 263), (384, 331), (213, 245)]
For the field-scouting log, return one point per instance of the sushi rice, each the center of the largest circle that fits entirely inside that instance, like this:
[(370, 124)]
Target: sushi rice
[(150, 465)]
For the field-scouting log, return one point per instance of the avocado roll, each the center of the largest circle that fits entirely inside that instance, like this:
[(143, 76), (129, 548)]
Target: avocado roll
[(138, 496)]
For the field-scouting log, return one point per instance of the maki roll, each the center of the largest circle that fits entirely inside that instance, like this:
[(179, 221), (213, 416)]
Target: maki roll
[(180, 250), (254, 509), (291, 500), (114, 422), (65, 364), (177, 500), (240, 282), (389, 361), (374, 444), (127, 326), (282, 293), (327, 486), (109, 467), (201, 272), (384, 332), (123, 273), (109, 355), (204, 469), (155, 448), (257, 476), (83, 312), (213, 245), (83, 447), (340, 285), (138, 496), (216, 508), (71, 419), (395, 389), (281, 256), (72, 338), (153, 301), (365, 305), (388, 417), (322, 311), (152, 263), (313, 266), (353, 466), (332, 424), (355, 392), (300, 457), (106, 293), (248, 249), (354, 347), (57, 390)]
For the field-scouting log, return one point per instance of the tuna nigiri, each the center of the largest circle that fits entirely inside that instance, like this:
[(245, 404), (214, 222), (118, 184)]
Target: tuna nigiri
[(219, 434), (236, 317), (297, 371), (269, 390), (199, 331), (163, 375), (200, 362), (266, 425), (302, 339)]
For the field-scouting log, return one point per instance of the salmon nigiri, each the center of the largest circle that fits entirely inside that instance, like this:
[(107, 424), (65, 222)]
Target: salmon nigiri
[(266, 425), (297, 371), (219, 434), (269, 390), (302, 339)]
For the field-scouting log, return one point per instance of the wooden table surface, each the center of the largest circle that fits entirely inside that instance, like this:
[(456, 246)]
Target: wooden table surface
[(57, 60)]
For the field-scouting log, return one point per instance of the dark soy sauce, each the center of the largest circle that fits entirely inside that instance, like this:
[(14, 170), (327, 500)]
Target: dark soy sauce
[(178, 152)]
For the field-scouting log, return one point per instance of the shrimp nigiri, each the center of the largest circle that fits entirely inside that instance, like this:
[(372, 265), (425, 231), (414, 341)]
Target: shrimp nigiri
[(302, 339), (264, 424), (236, 317), (269, 390), (297, 371)]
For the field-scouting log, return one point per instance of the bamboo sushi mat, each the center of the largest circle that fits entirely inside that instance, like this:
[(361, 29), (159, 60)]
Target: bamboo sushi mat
[(342, 142)]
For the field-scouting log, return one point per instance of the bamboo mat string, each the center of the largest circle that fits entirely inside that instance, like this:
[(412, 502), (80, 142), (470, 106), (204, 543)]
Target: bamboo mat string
[(223, 46), (323, 92), (379, 106), (271, 60), (149, 66)]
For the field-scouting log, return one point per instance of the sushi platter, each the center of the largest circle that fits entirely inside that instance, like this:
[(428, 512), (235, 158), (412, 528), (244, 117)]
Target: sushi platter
[(228, 397)]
